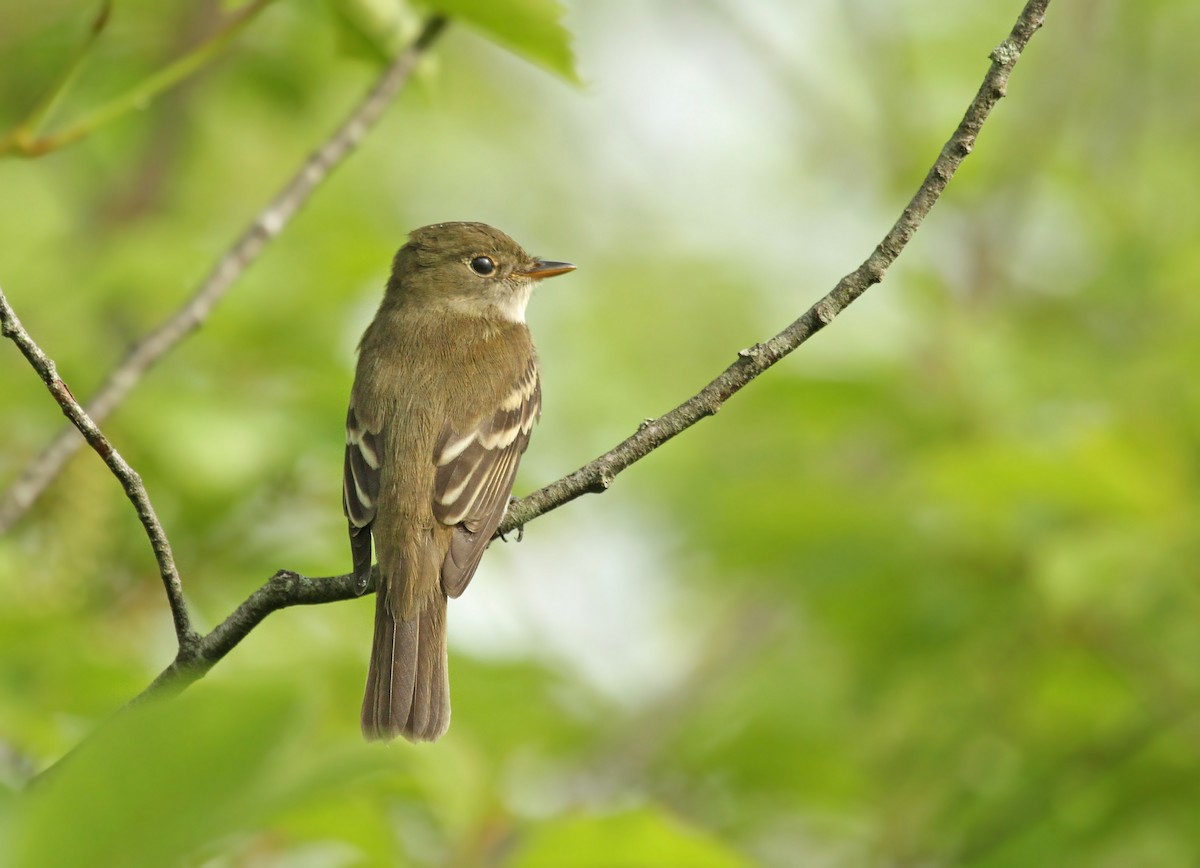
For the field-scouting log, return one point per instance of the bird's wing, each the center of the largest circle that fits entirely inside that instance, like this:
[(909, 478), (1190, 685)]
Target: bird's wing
[(360, 491), (474, 476)]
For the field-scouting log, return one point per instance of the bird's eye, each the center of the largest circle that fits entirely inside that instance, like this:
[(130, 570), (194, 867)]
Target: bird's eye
[(483, 265)]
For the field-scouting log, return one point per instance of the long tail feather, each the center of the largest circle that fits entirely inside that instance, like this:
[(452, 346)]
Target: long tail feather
[(408, 691)]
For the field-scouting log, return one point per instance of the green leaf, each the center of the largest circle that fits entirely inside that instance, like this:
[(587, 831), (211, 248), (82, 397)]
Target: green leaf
[(377, 29), (165, 780), (529, 28)]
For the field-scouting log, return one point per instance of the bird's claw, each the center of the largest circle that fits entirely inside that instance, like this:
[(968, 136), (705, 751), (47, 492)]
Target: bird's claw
[(520, 529)]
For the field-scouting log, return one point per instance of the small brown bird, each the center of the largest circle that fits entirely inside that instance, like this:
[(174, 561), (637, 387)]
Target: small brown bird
[(444, 398)]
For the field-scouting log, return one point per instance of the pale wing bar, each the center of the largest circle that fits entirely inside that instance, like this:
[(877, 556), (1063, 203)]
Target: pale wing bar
[(474, 477), (360, 493)]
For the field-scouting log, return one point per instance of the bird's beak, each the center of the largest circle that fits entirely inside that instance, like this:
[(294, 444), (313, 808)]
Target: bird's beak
[(548, 269)]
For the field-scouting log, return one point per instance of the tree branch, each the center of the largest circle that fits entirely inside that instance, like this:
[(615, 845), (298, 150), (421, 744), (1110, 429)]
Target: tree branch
[(282, 590), (11, 328), (287, 588), (598, 475), (27, 141), (38, 475)]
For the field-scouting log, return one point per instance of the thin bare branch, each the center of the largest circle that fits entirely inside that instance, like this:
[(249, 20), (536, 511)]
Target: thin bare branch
[(281, 591), (287, 588), (598, 475), (22, 139), (11, 328), (27, 140), (316, 169)]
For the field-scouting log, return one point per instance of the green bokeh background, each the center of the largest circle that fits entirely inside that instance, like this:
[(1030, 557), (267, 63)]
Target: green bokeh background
[(924, 594)]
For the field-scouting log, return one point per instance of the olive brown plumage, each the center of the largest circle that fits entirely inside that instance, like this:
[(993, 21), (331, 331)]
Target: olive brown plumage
[(444, 398)]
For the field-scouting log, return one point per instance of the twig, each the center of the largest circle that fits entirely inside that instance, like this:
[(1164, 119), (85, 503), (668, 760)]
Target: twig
[(23, 138), (286, 588), (26, 141), (43, 469), (598, 475), (281, 591), (11, 328)]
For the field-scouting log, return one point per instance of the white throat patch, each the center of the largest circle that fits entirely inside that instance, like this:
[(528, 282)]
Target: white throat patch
[(512, 308)]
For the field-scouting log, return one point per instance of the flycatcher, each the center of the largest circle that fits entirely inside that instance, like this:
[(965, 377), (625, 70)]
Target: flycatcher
[(444, 398)]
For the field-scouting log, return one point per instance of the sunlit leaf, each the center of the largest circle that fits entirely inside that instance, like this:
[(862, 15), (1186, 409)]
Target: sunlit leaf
[(375, 28), (532, 29)]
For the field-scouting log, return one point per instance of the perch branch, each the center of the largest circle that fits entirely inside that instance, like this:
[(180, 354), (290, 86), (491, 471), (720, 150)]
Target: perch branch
[(598, 475), (286, 588), (282, 590), (46, 466)]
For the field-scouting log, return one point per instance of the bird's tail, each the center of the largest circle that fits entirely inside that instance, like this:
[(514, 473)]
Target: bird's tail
[(408, 688)]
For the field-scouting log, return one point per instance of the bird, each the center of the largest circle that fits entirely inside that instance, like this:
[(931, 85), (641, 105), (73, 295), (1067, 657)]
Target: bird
[(446, 392)]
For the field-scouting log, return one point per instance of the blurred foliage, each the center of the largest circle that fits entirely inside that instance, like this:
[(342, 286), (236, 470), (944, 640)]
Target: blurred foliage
[(924, 594)]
